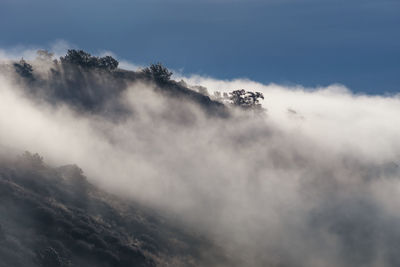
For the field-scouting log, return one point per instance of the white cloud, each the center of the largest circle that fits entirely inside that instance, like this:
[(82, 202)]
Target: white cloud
[(291, 188), (349, 121)]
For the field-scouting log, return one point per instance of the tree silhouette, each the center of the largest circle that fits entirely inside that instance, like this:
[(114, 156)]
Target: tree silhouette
[(158, 72), (108, 63), (78, 57), (246, 99), (86, 60), (24, 69)]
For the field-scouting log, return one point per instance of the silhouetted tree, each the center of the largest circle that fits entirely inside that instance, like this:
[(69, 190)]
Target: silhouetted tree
[(246, 99), (78, 57), (158, 72), (86, 60), (108, 63), (24, 69)]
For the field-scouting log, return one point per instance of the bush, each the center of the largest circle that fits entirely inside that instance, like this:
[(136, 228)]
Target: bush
[(78, 57), (246, 99), (158, 72), (24, 69), (85, 60), (108, 63)]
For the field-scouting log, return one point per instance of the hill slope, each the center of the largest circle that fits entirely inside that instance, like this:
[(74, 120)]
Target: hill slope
[(53, 217)]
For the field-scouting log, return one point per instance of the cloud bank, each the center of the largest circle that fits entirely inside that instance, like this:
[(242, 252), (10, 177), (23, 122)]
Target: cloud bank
[(312, 183)]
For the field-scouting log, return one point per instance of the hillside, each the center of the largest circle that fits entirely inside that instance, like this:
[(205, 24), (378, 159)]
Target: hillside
[(52, 217), (143, 170), (92, 87)]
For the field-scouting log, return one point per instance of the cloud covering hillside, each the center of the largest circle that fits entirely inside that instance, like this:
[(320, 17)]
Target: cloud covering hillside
[(313, 181)]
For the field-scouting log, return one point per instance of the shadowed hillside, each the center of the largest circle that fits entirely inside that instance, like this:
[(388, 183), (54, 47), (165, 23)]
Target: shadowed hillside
[(52, 217), (93, 84), (177, 177)]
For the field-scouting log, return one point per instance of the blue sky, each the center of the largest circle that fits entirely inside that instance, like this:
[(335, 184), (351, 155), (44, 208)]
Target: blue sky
[(307, 42)]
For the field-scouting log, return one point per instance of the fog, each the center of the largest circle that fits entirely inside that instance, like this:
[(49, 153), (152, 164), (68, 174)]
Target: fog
[(312, 182)]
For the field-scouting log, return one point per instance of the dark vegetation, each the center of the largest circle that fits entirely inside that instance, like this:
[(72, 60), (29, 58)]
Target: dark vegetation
[(158, 72), (24, 69), (85, 60), (92, 84), (53, 217), (243, 99)]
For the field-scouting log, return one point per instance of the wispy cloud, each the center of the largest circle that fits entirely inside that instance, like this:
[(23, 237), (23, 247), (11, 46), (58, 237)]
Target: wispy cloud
[(309, 184)]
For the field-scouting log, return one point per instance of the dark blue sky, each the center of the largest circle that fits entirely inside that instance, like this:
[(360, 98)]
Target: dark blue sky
[(308, 42)]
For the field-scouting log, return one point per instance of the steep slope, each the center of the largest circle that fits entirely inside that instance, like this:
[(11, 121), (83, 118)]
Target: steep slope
[(52, 217), (95, 89), (306, 186)]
